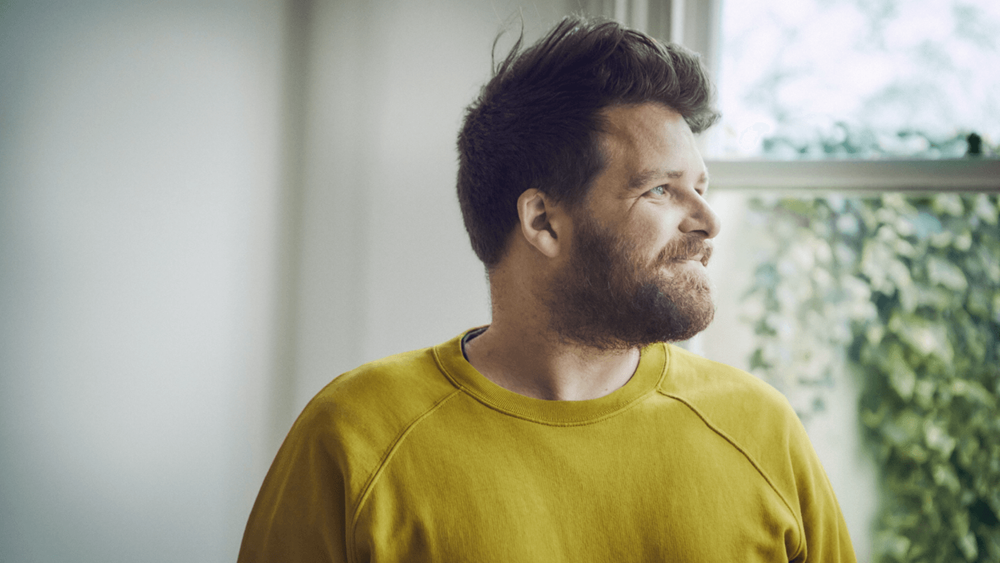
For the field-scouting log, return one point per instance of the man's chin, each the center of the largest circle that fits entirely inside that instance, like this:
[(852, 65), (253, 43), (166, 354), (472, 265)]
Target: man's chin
[(697, 323), (690, 313)]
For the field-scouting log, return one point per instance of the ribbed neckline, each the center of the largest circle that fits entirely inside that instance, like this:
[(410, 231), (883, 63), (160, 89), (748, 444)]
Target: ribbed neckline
[(652, 367)]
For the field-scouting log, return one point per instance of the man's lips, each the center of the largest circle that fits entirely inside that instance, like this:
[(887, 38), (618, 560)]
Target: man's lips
[(703, 260), (689, 248), (703, 255)]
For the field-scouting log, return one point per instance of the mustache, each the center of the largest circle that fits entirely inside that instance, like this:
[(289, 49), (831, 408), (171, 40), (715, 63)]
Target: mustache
[(689, 247)]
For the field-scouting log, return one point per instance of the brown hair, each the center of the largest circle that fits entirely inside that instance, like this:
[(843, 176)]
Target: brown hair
[(536, 123)]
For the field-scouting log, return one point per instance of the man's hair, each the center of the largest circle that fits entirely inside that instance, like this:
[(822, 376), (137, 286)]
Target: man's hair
[(536, 123)]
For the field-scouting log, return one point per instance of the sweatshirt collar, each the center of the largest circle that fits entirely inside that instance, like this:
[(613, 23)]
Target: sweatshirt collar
[(653, 362)]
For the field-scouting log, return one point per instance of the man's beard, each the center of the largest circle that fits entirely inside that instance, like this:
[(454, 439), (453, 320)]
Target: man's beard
[(608, 299)]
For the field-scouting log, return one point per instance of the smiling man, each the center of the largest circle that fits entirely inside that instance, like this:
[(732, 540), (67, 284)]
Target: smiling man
[(568, 429)]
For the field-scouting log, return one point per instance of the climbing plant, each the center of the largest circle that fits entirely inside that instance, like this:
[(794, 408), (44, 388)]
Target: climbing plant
[(903, 293)]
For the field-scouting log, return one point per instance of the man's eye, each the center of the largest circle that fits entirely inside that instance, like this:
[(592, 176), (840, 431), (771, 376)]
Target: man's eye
[(659, 190)]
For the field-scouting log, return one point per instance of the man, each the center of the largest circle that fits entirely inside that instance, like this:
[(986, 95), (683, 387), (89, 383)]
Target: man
[(566, 430)]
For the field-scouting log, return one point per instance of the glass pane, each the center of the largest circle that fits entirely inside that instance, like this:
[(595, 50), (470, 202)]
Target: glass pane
[(879, 319), (858, 78)]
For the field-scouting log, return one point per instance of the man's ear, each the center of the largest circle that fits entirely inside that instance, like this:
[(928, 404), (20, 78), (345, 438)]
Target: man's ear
[(543, 224)]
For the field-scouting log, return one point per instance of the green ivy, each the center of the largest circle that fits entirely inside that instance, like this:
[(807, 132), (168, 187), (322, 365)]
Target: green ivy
[(903, 292)]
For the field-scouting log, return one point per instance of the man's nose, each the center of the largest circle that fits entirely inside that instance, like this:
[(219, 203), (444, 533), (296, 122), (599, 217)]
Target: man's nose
[(701, 218)]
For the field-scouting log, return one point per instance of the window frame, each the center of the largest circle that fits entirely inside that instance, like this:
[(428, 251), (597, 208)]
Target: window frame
[(696, 25)]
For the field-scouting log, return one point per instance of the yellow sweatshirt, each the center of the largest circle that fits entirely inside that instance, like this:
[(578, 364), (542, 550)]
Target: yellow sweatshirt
[(418, 457)]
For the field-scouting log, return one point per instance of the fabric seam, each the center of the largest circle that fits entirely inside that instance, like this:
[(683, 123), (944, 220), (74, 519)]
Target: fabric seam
[(386, 457), (599, 418), (760, 470)]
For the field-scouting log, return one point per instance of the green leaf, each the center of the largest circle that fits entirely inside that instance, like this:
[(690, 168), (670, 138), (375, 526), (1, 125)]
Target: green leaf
[(945, 273), (974, 392), (991, 263), (924, 336), (903, 379), (874, 333), (978, 302), (937, 298), (968, 546), (968, 448), (986, 209), (889, 544), (948, 204), (942, 239), (875, 257), (939, 439), (963, 240), (903, 428)]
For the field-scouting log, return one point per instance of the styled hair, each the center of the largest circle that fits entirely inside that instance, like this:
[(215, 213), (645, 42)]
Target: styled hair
[(537, 122)]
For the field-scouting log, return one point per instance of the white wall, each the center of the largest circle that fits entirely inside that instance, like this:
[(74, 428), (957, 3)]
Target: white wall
[(138, 173)]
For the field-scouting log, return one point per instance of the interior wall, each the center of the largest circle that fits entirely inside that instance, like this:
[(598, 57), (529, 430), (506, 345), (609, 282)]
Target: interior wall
[(138, 175)]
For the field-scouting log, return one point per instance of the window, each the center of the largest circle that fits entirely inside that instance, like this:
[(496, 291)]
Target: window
[(852, 79)]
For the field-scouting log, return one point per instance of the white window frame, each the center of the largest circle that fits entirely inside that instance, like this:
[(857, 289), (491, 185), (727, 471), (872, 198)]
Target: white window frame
[(695, 24)]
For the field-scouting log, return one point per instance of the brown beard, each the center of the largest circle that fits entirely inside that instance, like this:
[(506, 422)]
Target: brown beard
[(608, 300)]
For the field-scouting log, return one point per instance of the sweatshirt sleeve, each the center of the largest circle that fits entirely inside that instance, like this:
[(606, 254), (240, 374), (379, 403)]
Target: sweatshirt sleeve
[(826, 539), (300, 512)]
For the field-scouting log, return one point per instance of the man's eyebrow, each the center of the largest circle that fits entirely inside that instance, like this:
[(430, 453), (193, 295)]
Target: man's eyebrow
[(645, 177)]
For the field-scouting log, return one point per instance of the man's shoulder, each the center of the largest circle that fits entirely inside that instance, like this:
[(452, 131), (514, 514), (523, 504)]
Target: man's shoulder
[(746, 410), (708, 382), (375, 402), (410, 379)]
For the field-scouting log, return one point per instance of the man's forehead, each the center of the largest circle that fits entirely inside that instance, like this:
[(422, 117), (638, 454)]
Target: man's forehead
[(632, 120), (631, 131), (650, 141)]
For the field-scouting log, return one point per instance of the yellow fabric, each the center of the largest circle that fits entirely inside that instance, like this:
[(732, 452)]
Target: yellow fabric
[(418, 457)]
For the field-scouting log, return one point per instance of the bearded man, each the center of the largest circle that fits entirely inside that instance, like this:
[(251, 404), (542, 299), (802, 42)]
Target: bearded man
[(568, 429)]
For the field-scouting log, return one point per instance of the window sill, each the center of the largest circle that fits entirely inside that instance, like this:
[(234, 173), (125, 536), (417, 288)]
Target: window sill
[(907, 175)]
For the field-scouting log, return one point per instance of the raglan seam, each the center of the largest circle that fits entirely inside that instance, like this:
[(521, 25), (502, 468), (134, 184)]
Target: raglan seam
[(611, 413), (732, 441), (380, 467)]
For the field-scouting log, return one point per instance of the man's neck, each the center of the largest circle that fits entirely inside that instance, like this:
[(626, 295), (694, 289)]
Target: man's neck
[(533, 362)]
